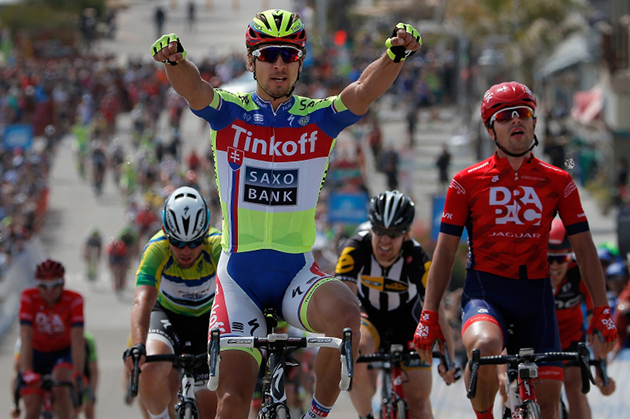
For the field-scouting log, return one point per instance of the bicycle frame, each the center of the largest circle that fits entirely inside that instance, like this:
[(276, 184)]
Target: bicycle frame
[(279, 347), (47, 405), (393, 403)]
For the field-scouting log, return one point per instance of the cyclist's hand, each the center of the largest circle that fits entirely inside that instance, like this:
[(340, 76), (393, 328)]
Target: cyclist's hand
[(450, 376), (603, 325), (404, 42), (427, 332), (31, 378), (607, 390), (168, 49), (138, 351)]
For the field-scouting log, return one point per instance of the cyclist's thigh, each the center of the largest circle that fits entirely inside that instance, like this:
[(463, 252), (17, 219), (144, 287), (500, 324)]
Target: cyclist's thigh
[(391, 327), (234, 310), (370, 338), (192, 333), (161, 329), (533, 315), (301, 290), (418, 384)]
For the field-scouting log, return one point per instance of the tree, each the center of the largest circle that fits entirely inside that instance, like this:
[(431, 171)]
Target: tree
[(531, 28)]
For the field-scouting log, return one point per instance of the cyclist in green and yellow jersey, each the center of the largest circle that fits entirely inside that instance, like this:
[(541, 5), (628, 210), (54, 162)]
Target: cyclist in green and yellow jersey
[(175, 286)]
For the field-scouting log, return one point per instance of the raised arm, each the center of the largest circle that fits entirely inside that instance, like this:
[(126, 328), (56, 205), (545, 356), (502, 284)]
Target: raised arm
[(182, 73), (379, 76)]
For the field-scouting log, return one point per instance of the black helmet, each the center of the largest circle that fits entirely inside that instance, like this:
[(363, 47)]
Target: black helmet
[(391, 210)]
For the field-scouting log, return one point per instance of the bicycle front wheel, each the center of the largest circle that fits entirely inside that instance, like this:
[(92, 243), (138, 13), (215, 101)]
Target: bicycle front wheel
[(401, 411), (531, 410)]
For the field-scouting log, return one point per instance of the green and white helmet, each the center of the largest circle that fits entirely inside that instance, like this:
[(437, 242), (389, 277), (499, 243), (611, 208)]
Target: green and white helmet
[(276, 25)]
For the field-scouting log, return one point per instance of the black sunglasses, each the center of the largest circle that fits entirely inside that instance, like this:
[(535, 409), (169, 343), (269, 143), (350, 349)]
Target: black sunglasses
[(181, 244), (558, 258), (270, 54), (392, 234)]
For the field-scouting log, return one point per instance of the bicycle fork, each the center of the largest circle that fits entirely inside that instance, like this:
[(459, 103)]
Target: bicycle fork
[(186, 396)]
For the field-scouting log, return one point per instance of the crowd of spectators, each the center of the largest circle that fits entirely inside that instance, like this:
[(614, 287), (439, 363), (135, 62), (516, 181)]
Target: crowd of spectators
[(84, 96)]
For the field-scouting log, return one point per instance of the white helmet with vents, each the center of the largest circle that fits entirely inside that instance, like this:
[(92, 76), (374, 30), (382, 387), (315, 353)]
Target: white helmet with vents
[(185, 216)]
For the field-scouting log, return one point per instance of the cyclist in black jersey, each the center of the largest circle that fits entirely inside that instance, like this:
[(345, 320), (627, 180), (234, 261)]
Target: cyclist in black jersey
[(387, 269)]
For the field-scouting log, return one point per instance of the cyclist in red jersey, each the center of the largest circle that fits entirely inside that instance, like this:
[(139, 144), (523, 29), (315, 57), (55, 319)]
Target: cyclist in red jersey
[(570, 292), (51, 331), (507, 203)]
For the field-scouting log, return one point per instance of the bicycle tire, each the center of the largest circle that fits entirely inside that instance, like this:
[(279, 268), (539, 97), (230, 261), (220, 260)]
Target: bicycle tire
[(282, 412), (531, 410), (400, 409)]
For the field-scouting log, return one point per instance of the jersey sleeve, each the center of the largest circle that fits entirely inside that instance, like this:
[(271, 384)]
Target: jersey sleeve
[(349, 262), (26, 308), (215, 252), (151, 264), (76, 310), (221, 111), (570, 208), (455, 212), (424, 262)]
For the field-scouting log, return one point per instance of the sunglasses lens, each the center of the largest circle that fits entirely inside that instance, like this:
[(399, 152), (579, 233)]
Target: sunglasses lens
[(270, 54), (392, 234), (181, 244), (508, 114), (557, 258), (50, 284)]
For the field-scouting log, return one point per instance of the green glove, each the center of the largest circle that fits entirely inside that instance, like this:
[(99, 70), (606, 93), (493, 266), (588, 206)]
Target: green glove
[(398, 53), (163, 43)]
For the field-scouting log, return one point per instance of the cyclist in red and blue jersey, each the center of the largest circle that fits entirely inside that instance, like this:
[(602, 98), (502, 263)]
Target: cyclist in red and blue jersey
[(570, 293), (51, 335), (271, 153), (507, 203)]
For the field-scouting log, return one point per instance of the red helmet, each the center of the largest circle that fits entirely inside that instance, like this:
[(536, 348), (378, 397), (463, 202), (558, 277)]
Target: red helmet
[(506, 95), (558, 238), (49, 269)]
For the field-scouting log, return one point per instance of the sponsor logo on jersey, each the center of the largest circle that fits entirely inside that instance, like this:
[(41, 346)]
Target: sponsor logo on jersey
[(244, 140), (270, 187), (458, 187), (520, 206), (515, 235), (569, 189)]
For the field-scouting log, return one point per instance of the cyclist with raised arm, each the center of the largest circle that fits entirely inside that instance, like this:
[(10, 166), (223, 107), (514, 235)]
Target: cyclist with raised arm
[(386, 268), (271, 153), (51, 335), (175, 287), (507, 203)]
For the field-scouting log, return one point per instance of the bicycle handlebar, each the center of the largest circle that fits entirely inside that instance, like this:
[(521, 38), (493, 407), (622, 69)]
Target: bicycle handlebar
[(581, 356), (398, 356), (186, 361), (281, 342)]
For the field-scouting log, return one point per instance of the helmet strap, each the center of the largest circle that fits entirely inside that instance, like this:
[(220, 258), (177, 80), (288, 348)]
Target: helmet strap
[(534, 144)]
